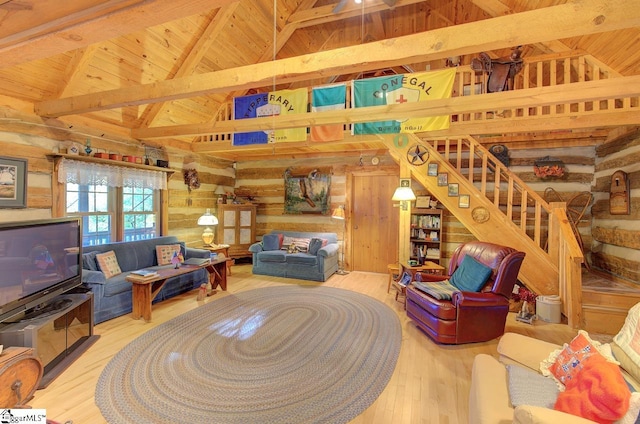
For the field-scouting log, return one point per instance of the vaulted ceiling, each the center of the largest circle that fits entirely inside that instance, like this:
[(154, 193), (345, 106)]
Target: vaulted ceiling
[(165, 71)]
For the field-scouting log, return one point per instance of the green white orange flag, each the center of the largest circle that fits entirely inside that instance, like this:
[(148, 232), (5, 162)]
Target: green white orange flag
[(328, 97)]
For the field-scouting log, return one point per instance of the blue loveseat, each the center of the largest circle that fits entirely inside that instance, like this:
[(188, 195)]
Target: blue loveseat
[(270, 258), (112, 296)]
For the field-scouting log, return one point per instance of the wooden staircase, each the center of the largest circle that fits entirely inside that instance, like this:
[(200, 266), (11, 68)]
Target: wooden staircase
[(502, 210)]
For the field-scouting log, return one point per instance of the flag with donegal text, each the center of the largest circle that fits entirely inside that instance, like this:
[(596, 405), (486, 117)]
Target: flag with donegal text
[(398, 89), (328, 97), (283, 102)]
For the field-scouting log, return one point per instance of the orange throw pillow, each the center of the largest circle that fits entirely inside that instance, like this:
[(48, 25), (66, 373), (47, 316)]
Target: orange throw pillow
[(597, 392)]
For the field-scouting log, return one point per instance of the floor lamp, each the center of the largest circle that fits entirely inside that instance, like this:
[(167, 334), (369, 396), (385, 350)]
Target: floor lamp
[(338, 213)]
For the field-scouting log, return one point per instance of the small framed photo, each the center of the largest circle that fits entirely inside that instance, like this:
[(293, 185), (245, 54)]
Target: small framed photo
[(453, 190), (464, 200), (432, 169), (443, 179), (423, 201), (13, 183)]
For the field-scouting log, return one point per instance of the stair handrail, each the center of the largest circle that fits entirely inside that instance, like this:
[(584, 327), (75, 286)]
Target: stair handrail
[(560, 243), (565, 247), (489, 164)]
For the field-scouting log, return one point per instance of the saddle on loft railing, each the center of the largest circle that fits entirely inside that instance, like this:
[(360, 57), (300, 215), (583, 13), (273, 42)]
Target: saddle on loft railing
[(500, 72)]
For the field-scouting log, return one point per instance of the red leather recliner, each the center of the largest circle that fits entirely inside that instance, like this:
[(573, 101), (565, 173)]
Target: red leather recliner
[(469, 316)]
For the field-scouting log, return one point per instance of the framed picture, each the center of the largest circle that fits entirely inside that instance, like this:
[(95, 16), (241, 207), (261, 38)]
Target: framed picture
[(307, 194), (13, 183), (464, 200), (432, 170), (443, 179), (423, 201), (453, 190)]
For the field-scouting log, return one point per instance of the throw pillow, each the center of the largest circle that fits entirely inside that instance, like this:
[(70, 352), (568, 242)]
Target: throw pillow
[(598, 392), (471, 275), (164, 253), (316, 244), (270, 242), (301, 243), (108, 263), (527, 387), (564, 364), (626, 362), (89, 261), (631, 417), (628, 340)]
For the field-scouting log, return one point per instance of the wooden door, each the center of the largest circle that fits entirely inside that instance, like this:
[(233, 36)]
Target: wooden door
[(373, 223)]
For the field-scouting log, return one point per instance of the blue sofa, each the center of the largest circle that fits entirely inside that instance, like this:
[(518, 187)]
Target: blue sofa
[(270, 259), (112, 296)]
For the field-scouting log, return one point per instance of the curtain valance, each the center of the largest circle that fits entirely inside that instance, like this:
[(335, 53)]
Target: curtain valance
[(83, 173)]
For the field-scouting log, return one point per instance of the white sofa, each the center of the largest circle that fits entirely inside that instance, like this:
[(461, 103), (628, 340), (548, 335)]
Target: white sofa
[(489, 399)]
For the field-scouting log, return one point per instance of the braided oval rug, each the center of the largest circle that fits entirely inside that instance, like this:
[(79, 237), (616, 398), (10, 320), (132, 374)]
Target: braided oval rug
[(289, 354)]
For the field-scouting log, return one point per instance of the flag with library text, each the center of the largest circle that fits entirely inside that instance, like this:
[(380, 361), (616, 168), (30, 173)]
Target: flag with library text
[(328, 97), (282, 102), (397, 89)]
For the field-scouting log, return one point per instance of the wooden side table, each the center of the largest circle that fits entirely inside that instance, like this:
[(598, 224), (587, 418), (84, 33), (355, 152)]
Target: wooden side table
[(222, 248), (428, 267)]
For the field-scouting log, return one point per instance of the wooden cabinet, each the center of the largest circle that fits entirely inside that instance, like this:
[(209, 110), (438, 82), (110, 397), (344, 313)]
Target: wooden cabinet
[(237, 228), (426, 235)]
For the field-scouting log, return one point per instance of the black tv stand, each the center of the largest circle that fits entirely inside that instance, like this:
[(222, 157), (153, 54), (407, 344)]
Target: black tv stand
[(59, 332)]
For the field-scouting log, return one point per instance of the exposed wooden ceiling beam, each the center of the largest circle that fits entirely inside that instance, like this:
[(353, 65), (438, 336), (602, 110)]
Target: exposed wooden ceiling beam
[(561, 21), (497, 8), (94, 24), (531, 97)]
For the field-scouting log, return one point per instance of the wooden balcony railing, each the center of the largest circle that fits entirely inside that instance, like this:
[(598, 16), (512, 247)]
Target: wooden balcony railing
[(540, 71)]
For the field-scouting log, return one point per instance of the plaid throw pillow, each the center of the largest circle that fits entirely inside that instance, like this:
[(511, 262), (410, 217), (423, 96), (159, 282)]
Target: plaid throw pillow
[(441, 290)]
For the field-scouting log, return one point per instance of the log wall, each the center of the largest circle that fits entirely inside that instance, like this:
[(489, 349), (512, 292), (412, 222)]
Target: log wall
[(23, 136), (616, 238)]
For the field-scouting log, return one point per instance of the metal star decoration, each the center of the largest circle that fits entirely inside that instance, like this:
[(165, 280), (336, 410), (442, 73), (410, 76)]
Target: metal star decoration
[(417, 155)]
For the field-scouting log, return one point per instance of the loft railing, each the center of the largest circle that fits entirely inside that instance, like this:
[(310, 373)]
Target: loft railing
[(540, 71)]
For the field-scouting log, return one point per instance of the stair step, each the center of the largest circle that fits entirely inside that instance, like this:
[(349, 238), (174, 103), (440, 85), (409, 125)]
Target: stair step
[(617, 299), (600, 319)]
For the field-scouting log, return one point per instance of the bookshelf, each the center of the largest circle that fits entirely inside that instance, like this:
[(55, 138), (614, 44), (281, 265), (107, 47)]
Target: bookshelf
[(426, 235)]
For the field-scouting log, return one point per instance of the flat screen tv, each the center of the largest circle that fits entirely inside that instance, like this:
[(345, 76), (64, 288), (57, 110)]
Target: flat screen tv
[(39, 260)]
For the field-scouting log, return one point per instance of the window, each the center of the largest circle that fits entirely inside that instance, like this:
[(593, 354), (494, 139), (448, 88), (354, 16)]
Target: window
[(140, 208), (102, 218), (115, 203)]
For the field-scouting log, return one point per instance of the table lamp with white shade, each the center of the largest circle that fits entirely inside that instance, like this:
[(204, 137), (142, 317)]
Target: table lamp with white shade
[(207, 220)]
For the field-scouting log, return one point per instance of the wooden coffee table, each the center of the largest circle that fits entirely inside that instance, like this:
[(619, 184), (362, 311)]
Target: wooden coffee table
[(144, 291)]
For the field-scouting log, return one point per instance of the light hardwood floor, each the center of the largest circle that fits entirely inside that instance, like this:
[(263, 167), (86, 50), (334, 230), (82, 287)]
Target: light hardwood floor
[(430, 384)]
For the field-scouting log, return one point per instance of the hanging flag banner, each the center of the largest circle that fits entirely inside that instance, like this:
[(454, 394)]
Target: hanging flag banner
[(328, 97), (396, 89), (283, 102)]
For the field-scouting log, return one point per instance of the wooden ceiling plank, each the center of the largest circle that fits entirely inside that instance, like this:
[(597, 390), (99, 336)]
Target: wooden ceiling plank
[(324, 14), (197, 52), (74, 35), (566, 20), (21, 26), (76, 70), (531, 97)]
